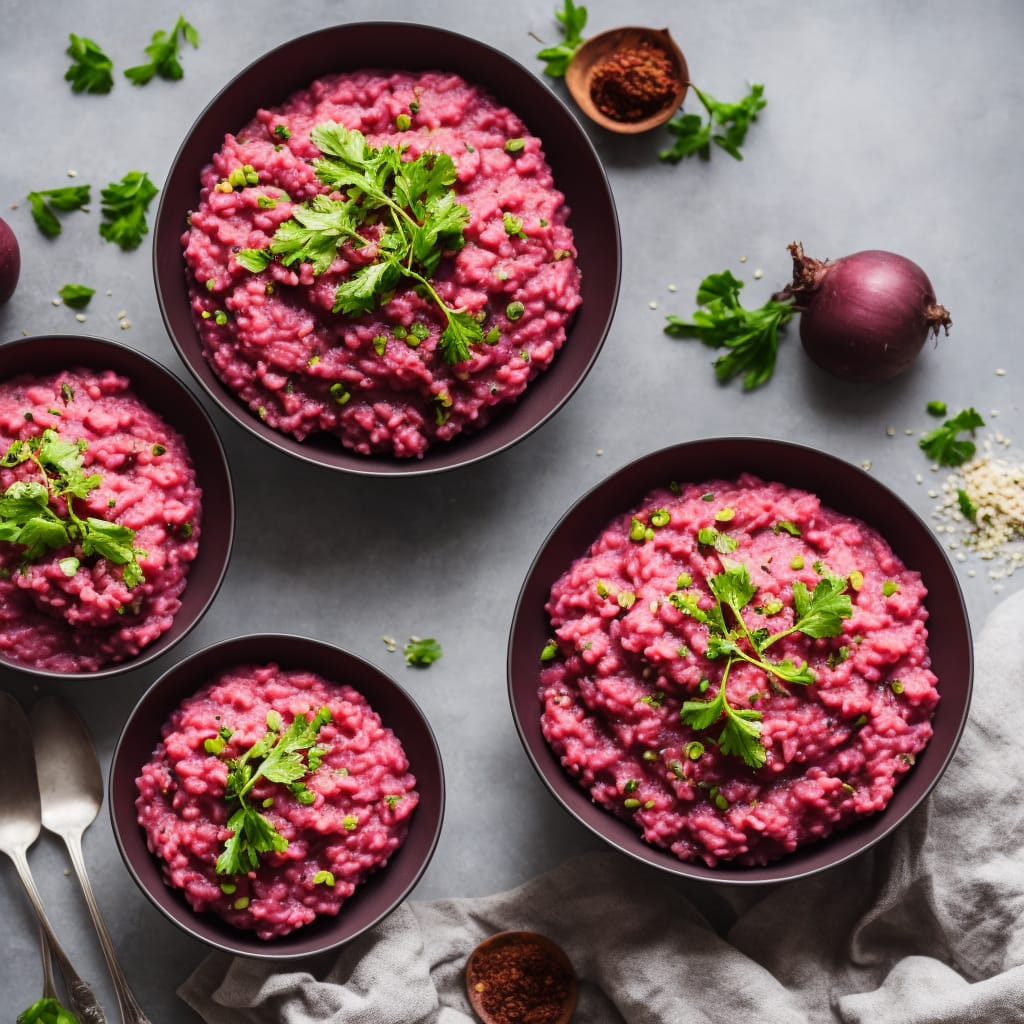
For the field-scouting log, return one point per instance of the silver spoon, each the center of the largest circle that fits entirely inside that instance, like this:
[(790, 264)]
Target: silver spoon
[(71, 785), (20, 820)]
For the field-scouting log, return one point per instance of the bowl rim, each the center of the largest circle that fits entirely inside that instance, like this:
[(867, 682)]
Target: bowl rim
[(93, 348), (222, 655), (447, 455), (623, 836)]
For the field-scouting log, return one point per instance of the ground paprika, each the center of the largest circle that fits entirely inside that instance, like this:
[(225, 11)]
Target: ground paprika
[(633, 82)]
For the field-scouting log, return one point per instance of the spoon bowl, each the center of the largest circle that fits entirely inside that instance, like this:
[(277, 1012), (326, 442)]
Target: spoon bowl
[(20, 824), (588, 59), (71, 787), (532, 957)]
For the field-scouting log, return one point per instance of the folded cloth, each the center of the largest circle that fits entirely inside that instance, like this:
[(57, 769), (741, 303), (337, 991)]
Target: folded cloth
[(926, 928)]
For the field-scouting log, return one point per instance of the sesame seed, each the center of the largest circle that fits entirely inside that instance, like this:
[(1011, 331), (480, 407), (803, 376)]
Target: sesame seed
[(743, 259), (672, 288), (653, 304), (758, 274), (80, 317), (1000, 372), (890, 431)]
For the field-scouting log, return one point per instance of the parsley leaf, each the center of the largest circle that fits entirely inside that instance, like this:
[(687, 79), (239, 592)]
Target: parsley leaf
[(727, 126), (573, 20), (820, 614), (46, 202), (418, 219), (751, 336), (163, 54), (27, 518), (421, 652), (943, 444), (741, 732), (76, 296), (124, 208), (47, 1011), (277, 757), (91, 69), (967, 507)]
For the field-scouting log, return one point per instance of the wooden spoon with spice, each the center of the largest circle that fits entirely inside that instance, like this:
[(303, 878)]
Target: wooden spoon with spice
[(628, 80), (518, 976)]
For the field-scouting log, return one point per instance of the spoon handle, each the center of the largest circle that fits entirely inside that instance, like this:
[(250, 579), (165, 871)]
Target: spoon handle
[(131, 1012), (83, 1002), (49, 984)]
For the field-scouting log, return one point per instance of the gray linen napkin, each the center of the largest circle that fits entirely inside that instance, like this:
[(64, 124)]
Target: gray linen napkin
[(928, 928)]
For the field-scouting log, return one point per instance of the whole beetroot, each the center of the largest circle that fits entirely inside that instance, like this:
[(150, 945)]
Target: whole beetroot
[(10, 261)]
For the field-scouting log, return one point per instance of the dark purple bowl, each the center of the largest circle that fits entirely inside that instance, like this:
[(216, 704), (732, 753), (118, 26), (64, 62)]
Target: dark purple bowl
[(381, 893), (844, 488), (165, 394), (394, 45)]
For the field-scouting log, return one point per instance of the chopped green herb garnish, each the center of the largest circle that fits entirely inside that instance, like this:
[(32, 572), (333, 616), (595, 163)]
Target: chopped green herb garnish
[(47, 1011), (420, 219), (727, 126), (76, 296), (750, 335), (573, 20), (282, 131), (514, 145), (421, 652), (323, 878), (277, 757), (550, 651), (124, 206), (163, 54), (890, 587), (27, 517), (91, 69), (936, 408), (45, 204), (350, 822), (513, 225), (785, 526), (514, 310), (967, 507), (945, 446)]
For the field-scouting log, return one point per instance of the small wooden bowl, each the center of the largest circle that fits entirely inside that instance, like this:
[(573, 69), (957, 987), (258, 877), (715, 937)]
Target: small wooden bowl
[(580, 73), (512, 938)]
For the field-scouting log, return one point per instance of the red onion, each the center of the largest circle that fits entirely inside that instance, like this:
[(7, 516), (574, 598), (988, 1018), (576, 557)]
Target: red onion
[(10, 261), (863, 317)]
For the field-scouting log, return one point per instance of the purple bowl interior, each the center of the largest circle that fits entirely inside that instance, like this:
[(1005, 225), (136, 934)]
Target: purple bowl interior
[(376, 897), (844, 488), (393, 45), (166, 395)]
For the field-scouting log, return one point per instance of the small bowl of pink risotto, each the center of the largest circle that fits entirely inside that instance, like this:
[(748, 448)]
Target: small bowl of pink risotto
[(740, 660), (116, 508), (275, 796), (387, 248)]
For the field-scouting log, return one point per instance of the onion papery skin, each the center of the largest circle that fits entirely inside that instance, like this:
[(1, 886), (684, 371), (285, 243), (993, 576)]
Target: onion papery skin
[(864, 317)]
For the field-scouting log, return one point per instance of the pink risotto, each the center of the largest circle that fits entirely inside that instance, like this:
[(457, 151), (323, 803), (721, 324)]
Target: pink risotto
[(318, 333), (337, 819), (101, 521), (738, 670)]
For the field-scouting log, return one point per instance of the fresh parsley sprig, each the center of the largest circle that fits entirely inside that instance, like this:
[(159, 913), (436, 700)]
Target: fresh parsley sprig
[(28, 518), (818, 613), (283, 757), (47, 1011), (46, 202), (573, 20), (944, 444), (163, 53), (124, 206), (91, 69), (727, 126), (421, 651), (750, 335), (412, 205)]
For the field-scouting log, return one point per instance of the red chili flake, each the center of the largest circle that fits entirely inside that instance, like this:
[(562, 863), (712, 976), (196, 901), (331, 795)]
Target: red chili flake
[(633, 83), (519, 982)]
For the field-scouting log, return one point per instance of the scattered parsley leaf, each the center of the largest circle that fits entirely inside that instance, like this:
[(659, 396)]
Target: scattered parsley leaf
[(76, 296), (821, 614), (751, 336), (421, 652), (163, 54), (91, 69), (573, 20), (46, 202), (277, 757), (943, 443), (124, 205), (967, 507), (727, 126), (936, 408), (47, 1011)]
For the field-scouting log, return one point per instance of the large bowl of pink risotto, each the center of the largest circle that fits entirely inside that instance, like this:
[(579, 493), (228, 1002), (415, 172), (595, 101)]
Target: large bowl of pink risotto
[(740, 660), (116, 508), (275, 796), (387, 248)]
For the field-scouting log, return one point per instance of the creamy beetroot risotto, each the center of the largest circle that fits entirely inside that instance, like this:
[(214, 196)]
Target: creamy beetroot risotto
[(279, 322), (338, 817), (100, 517), (738, 670)]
